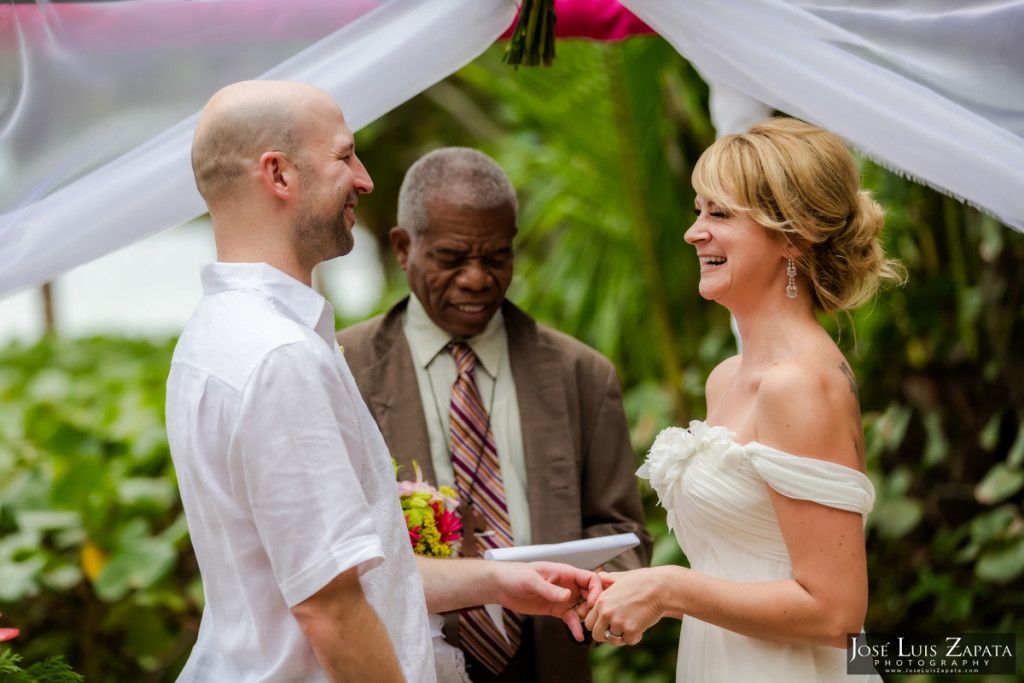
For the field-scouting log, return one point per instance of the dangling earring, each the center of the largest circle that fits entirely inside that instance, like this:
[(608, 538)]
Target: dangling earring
[(791, 272)]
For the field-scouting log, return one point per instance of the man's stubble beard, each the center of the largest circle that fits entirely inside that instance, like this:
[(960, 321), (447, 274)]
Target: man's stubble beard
[(326, 236)]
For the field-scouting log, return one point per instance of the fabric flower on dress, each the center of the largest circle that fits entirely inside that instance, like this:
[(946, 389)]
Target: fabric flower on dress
[(674, 448), (667, 458)]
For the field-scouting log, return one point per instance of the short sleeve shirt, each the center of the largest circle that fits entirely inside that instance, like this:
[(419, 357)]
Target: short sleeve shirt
[(285, 479)]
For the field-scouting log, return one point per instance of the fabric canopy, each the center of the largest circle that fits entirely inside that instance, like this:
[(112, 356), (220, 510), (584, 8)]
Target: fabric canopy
[(933, 90), (106, 183), (98, 100)]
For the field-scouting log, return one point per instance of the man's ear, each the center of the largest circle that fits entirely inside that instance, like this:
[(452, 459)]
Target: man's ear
[(277, 174), (400, 244)]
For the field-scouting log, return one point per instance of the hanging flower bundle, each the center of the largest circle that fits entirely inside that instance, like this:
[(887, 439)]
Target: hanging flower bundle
[(533, 39)]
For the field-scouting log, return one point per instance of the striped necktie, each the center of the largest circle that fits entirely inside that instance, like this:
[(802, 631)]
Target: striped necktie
[(478, 480)]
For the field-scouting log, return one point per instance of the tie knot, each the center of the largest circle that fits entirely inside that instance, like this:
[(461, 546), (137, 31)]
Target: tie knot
[(465, 359)]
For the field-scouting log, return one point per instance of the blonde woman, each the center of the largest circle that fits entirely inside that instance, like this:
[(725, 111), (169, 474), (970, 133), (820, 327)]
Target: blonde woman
[(767, 497)]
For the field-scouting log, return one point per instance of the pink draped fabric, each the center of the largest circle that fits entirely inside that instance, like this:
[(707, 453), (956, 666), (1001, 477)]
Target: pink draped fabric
[(91, 26), (105, 25), (594, 20)]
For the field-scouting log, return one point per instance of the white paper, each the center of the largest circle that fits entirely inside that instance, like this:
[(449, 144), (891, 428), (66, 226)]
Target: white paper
[(587, 553)]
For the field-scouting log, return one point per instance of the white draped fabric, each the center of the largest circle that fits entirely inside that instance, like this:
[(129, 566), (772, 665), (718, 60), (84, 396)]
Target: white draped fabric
[(933, 90), (98, 99)]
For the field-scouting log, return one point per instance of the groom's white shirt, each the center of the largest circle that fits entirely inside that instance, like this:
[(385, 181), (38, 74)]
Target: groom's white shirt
[(285, 479)]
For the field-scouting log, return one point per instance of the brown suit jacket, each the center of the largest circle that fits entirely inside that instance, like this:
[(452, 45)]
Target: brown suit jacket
[(579, 462)]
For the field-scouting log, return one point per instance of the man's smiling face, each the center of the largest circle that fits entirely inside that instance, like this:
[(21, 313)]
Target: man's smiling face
[(460, 265)]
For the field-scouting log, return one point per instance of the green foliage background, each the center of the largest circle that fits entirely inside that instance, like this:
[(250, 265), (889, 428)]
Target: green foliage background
[(95, 562)]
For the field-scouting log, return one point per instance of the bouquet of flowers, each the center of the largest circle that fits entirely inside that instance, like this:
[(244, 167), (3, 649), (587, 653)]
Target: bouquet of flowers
[(434, 527), (435, 530)]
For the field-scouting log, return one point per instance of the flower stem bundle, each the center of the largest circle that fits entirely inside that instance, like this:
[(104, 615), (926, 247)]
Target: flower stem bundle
[(533, 39)]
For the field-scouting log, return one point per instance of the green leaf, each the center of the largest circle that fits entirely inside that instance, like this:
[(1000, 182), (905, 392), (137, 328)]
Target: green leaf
[(162, 493), (48, 520), (135, 566), (21, 561), (667, 551), (51, 385), (138, 562), (147, 636), (177, 532), (1015, 458), (63, 578), (989, 435), (884, 432), (1002, 566), (80, 479), (998, 484), (994, 524), (936, 448), (896, 517)]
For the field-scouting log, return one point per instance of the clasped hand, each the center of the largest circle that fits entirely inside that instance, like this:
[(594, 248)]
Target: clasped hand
[(622, 608), (549, 589)]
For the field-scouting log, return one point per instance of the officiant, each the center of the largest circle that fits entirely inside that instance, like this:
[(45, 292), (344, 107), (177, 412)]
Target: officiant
[(524, 422)]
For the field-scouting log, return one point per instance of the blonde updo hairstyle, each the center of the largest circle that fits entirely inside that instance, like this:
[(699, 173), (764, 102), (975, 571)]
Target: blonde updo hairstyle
[(801, 184)]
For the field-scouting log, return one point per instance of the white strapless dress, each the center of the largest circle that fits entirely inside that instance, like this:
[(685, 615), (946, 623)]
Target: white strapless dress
[(719, 508)]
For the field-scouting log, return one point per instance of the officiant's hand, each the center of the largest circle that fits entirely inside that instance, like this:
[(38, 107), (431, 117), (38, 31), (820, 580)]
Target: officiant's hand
[(547, 588), (628, 604)]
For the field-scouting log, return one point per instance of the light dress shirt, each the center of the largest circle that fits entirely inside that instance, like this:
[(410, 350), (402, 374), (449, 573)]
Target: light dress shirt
[(285, 479), (436, 374)]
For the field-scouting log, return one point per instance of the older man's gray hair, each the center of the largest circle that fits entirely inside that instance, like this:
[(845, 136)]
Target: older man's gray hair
[(459, 175)]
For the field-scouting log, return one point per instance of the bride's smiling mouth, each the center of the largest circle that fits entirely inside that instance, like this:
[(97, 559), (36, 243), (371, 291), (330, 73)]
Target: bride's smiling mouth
[(711, 261)]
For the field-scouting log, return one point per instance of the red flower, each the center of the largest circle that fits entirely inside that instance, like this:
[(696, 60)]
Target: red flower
[(448, 523), (414, 533), (8, 633)]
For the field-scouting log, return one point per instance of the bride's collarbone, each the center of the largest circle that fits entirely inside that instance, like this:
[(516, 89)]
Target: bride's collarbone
[(735, 408), (735, 413)]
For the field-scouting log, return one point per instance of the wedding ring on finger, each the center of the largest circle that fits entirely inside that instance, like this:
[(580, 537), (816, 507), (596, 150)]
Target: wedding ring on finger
[(608, 635)]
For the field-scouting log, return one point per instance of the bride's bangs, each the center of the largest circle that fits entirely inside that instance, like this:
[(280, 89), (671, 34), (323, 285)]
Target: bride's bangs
[(719, 176)]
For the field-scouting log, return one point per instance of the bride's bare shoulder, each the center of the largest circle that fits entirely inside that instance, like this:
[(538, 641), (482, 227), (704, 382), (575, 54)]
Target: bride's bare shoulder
[(807, 406)]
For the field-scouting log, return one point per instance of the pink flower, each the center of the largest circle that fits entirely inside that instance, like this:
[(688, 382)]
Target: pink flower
[(8, 633), (407, 488)]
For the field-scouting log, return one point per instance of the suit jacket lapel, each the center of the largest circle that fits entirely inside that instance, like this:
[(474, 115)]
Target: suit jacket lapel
[(551, 472), (394, 399)]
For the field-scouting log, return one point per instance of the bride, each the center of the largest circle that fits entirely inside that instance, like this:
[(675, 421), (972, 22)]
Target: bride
[(768, 496)]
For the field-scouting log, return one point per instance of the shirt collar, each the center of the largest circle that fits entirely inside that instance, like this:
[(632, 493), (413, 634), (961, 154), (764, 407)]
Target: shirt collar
[(293, 298), (427, 340)]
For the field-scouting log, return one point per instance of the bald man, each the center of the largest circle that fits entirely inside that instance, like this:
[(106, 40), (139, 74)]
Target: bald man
[(285, 478)]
